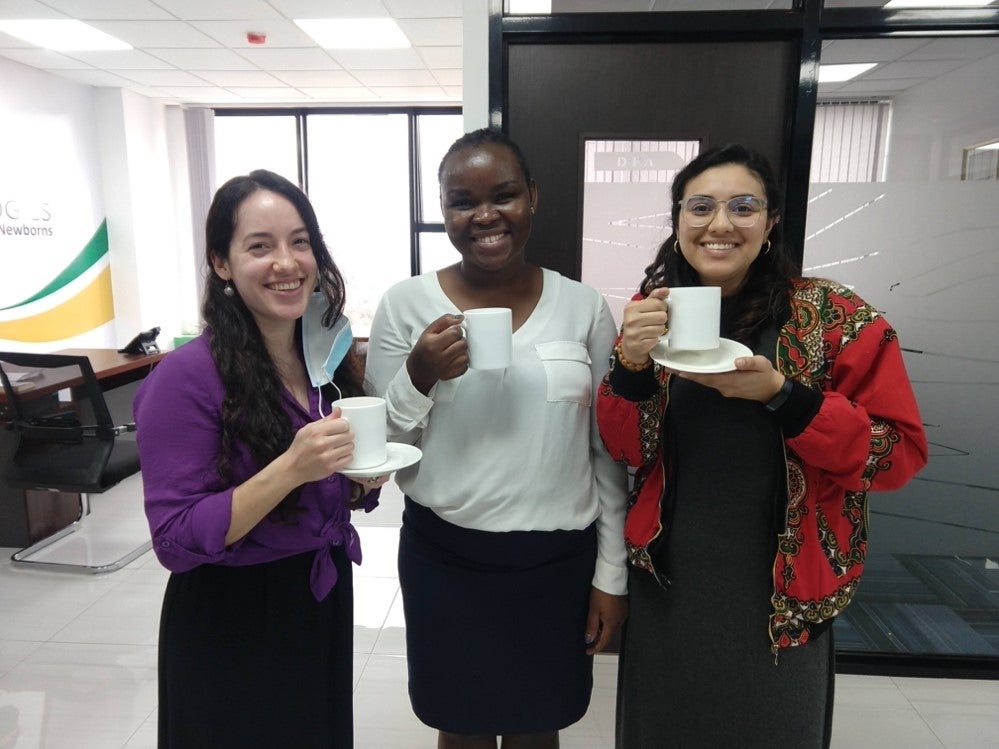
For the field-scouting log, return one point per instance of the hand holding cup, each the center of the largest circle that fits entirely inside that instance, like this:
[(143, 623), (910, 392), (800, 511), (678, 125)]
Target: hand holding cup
[(440, 353), (644, 323)]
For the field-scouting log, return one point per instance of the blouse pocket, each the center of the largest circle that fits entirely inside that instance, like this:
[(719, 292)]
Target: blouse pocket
[(567, 371)]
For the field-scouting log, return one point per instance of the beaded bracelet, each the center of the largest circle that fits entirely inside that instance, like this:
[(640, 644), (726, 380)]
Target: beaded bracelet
[(628, 363)]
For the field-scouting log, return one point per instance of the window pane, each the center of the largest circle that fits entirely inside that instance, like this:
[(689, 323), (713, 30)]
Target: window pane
[(359, 185), (437, 132), (436, 251), (247, 142)]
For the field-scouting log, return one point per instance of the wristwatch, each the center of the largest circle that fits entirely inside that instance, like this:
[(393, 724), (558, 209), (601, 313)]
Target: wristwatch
[(781, 398)]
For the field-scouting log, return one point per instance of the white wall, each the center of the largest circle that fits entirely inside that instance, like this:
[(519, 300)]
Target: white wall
[(143, 157), (73, 155), (49, 182), (933, 123)]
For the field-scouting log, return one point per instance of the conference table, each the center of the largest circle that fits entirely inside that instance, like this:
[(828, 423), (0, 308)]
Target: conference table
[(28, 516)]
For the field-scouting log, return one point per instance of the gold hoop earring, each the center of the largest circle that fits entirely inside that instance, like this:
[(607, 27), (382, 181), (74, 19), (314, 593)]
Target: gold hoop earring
[(769, 246), (676, 246)]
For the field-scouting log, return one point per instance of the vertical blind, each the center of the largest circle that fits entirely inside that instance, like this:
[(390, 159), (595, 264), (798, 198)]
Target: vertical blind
[(849, 141)]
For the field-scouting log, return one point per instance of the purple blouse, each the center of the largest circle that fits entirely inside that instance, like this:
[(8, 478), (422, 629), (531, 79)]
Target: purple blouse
[(178, 416)]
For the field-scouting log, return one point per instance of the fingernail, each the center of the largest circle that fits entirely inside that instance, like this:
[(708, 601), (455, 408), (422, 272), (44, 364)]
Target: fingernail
[(589, 638)]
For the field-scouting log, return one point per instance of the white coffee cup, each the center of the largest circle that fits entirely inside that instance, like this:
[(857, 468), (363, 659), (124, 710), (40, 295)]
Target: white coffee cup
[(366, 415), (489, 331), (694, 318)]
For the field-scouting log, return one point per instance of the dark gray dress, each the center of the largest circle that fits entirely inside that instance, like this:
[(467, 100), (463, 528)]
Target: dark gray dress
[(696, 668)]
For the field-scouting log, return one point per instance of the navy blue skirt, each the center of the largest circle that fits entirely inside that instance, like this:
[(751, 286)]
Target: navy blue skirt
[(495, 625)]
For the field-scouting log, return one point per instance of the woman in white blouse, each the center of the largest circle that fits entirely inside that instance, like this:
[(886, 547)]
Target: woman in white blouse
[(511, 558)]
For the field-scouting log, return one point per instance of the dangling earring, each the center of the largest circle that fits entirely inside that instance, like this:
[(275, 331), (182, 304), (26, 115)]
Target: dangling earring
[(532, 209), (228, 290), (767, 250), (676, 246)]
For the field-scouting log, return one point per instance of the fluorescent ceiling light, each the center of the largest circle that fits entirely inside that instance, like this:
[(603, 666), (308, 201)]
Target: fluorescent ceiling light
[(62, 35), (993, 146), (529, 7), (937, 3), (840, 73), (354, 33)]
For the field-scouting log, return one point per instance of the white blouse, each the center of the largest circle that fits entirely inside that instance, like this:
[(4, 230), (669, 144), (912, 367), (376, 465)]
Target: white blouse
[(510, 449)]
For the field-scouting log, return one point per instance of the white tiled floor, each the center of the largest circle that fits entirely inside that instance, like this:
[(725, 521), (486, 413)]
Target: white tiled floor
[(78, 667)]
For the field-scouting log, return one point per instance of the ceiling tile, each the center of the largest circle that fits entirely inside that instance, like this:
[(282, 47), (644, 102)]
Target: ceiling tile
[(377, 59), (203, 59), (424, 8), (327, 9), (125, 59), (165, 78), (280, 33), (203, 94), (441, 57), (96, 78), (27, 9), (244, 78), (449, 77), (432, 32), (339, 94), (317, 78), (91, 10), (973, 48), (868, 50), (200, 10), (290, 59), (929, 69), (165, 34), (410, 93), (396, 78), (45, 59)]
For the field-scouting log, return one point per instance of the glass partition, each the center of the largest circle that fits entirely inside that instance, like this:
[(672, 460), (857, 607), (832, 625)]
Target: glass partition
[(918, 240)]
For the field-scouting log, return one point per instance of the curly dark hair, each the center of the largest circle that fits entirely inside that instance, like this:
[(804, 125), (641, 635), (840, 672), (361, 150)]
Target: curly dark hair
[(765, 294), (252, 412), (482, 136)]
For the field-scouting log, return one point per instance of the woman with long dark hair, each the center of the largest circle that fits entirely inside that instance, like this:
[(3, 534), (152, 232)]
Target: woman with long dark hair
[(240, 453), (747, 525)]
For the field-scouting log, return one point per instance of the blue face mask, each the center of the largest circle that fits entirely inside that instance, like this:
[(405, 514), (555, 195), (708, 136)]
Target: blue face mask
[(324, 348)]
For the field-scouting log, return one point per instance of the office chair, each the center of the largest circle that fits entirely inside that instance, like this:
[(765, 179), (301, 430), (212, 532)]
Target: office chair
[(66, 441)]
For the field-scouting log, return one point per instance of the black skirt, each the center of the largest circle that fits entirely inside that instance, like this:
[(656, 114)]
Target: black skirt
[(495, 625), (249, 658)]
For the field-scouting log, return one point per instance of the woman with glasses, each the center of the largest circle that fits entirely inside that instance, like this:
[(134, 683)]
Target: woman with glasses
[(747, 524)]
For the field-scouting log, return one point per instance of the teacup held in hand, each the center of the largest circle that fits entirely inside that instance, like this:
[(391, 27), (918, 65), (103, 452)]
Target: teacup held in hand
[(694, 318), (366, 416), (489, 331)]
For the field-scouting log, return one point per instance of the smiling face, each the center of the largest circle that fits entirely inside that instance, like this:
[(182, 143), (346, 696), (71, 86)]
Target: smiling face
[(721, 252), (487, 204), (270, 260)]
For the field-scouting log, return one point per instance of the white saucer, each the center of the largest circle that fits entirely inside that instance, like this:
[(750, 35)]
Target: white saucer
[(721, 359), (400, 455)]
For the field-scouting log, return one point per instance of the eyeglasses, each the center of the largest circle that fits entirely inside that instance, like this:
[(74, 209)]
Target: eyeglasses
[(743, 211)]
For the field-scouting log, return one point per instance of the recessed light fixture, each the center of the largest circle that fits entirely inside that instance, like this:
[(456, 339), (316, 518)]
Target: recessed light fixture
[(62, 35), (354, 33), (937, 3), (840, 73)]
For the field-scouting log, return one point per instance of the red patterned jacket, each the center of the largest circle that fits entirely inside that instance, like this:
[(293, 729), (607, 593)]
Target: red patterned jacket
[(867, 435)]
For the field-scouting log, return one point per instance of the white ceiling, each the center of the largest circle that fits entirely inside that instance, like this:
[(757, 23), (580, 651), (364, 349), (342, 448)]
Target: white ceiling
[(196, 51)]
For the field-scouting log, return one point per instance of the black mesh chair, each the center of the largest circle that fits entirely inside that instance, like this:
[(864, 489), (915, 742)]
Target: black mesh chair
[(65, 441)]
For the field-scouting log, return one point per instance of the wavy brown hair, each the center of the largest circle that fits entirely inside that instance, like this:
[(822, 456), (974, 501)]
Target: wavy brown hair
[(765, 294), (252, 411)]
